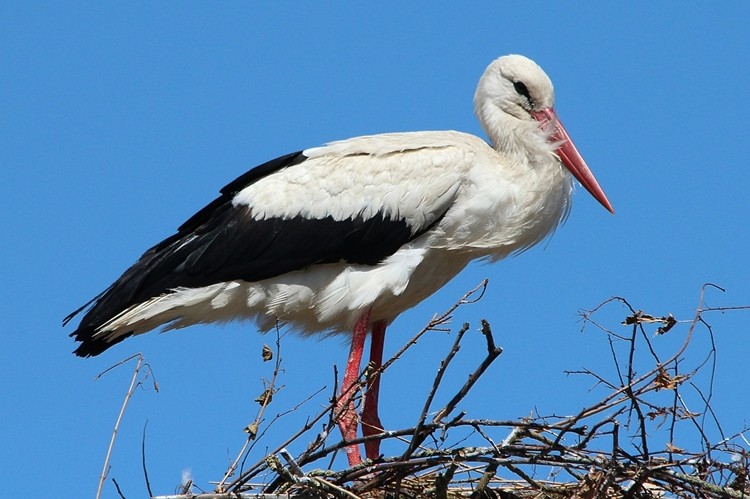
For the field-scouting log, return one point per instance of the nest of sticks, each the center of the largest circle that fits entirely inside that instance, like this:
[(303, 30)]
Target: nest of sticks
[(607, 450)]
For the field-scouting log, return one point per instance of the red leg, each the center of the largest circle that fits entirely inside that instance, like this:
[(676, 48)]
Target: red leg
[(371, 424), (345, 408)]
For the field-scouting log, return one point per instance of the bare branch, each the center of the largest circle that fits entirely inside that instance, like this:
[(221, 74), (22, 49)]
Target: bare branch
[(131, 389)]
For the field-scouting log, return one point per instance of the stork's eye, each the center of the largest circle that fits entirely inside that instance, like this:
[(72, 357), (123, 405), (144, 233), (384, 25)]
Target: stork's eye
[(522, 89)]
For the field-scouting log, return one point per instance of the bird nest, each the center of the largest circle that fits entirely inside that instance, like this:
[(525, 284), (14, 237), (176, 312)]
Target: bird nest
[(607, 450)]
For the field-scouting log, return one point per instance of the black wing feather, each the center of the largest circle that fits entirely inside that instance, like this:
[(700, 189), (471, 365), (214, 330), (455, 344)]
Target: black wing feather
[(223, 242)]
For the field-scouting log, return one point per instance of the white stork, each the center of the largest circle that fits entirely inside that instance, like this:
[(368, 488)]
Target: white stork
[(346, 236)]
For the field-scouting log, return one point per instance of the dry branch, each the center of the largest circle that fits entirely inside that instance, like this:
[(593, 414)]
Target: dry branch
[(607, 450), (134, 383)]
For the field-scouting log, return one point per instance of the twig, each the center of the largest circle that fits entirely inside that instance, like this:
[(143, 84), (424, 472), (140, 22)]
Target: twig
[(489, 473), (492, 354), (143, 460), (265, 399), (117, 486), (315, 483), (133, 383), (440, 320), (442, 481), (416, 440)]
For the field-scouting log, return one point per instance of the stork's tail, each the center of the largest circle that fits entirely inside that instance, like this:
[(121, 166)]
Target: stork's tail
[(92, 342)]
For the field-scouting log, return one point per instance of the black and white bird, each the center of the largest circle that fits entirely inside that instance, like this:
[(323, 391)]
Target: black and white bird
[(345, 237)]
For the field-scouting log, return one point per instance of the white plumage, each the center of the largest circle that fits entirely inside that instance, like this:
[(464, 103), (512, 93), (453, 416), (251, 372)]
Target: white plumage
[(351, 234), (409, 176)]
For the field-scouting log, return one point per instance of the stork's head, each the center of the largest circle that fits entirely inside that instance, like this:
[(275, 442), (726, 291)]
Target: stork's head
[(514, 103)]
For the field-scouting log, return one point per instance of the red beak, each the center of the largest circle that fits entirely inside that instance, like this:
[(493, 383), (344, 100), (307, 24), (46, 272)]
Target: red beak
[(570, 156)]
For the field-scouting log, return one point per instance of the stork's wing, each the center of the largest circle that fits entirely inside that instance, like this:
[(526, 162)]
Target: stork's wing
[(323, 206)]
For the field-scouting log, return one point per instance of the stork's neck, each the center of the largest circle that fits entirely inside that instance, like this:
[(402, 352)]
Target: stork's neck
[(522, 141), (529, 158)]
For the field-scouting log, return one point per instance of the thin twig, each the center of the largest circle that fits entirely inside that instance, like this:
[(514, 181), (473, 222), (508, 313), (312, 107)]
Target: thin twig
[(143, 460), (492, 354), (265, 399), (117, 486), (416, 440), (128, 395)]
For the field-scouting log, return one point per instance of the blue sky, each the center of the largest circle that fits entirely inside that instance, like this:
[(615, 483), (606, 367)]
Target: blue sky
[(120, 120)]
